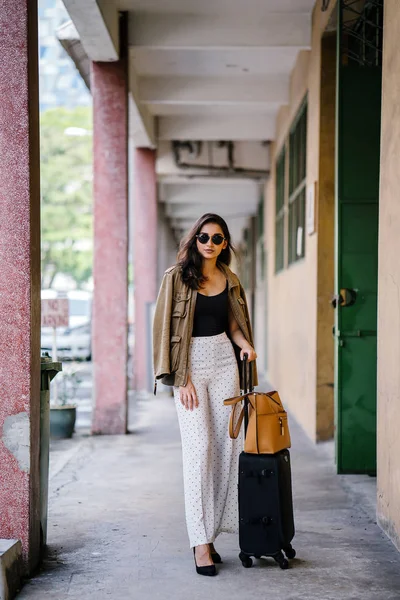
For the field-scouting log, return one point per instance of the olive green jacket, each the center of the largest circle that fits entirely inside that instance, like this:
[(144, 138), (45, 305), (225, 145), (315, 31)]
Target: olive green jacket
[(173, 324)]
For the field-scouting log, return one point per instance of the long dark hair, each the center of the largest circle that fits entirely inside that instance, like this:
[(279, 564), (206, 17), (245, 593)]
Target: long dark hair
[(189, 258)]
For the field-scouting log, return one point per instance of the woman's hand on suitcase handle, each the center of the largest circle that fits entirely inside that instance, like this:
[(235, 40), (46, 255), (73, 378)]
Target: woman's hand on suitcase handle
[(237, 336), (188, 396), (249, 350)]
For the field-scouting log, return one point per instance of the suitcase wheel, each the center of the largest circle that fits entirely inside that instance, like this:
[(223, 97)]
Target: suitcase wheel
[(246, 560), (290, 551), (281, 560)]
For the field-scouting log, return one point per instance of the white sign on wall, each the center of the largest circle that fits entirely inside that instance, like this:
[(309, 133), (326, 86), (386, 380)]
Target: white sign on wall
[(299, 240), (55, 312)]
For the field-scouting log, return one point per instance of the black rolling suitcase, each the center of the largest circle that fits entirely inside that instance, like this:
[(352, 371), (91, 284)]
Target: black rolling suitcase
[(266, 525)]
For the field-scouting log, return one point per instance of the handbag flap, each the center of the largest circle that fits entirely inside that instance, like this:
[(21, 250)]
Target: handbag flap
[(275, 398), (267, 405)]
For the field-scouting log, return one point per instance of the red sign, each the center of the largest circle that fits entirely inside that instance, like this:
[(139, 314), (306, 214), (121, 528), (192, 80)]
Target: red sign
[(55, 313)]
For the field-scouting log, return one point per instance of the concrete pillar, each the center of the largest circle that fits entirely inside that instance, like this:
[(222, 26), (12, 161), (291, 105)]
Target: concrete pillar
[(19, 278), (144, 261), (110, 268), (388, 438)]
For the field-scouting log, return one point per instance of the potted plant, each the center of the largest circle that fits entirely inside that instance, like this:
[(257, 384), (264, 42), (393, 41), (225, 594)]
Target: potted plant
[(62, 405)]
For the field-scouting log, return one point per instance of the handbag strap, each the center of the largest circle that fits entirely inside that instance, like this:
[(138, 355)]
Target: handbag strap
[(234, 431), (235, 400), (251, 399)]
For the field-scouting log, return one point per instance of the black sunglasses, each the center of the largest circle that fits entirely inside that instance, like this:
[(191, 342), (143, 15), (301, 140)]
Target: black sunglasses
[(216, 239)]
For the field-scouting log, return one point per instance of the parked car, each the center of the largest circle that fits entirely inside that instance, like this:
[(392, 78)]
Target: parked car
[(75, 341)]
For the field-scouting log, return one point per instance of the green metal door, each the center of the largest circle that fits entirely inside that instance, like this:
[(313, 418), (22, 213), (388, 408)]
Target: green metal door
[(357, 198)]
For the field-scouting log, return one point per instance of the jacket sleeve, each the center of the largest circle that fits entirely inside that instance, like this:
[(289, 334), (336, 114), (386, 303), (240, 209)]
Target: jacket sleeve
[(243, 295), (254, 363), (162, 327)]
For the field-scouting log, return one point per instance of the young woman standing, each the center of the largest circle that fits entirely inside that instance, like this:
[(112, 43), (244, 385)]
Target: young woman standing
[(201, 309)]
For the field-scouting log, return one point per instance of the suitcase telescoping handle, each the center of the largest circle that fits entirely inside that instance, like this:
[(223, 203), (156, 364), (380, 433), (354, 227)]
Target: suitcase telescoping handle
[(247, 387), (247, 375)]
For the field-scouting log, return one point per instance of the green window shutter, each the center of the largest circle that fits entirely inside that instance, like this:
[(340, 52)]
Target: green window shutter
[(297, 185), (280, 212)]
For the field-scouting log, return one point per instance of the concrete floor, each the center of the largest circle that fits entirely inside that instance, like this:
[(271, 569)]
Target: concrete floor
[(117, 526)]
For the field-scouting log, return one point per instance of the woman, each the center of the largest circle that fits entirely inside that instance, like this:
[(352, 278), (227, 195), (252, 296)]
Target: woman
[(201, 309)]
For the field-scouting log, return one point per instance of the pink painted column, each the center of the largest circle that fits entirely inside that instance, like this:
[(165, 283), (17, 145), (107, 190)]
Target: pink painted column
[(110, 269), (19, 278), (145, 261)]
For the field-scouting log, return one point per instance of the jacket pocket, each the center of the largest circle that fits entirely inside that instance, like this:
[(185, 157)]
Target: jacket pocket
[(243, 305), (180, 306), (175, 350)]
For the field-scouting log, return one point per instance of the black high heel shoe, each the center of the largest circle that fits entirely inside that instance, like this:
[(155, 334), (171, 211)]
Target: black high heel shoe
[(208, 570), (214, 555)]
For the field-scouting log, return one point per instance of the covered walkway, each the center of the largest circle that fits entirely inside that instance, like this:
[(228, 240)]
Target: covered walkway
[(117, 529), (256, 110)]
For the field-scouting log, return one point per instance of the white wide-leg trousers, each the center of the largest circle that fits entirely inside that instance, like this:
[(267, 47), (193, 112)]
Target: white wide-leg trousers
[(210, 457)]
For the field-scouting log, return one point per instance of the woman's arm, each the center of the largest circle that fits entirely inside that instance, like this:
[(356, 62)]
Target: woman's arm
[(239, 339), (162, 326), (188, 395), (161, 341)]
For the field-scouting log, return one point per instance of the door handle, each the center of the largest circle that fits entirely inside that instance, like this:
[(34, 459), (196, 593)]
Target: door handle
[(337, 300), (346, 297), (359, 333)]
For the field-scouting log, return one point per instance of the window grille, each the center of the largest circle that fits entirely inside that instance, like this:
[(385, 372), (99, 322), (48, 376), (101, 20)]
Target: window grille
[(361, 32)]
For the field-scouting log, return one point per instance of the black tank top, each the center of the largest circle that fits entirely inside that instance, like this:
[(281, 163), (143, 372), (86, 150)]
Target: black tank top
[(211, 314)]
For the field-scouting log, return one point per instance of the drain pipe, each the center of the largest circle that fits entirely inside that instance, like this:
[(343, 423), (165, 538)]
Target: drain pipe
[(230, 169)]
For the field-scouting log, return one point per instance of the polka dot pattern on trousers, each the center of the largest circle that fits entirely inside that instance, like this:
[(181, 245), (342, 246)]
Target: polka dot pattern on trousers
[(210, 457)]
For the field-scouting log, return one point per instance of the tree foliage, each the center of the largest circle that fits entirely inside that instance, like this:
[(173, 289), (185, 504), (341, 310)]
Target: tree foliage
[(66, 188)]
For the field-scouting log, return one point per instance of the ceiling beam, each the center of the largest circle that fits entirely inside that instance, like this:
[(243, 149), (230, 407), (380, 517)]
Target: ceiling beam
[(141, 123), (97, 23), (187, 211), (219, 31), (258, 127), (187, 222), (141, 126), (209, 91), (69, 39), (183, 197), (171, 180)]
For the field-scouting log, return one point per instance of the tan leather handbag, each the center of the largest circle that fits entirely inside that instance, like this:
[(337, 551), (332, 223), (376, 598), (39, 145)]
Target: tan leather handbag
[(268, 430)]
